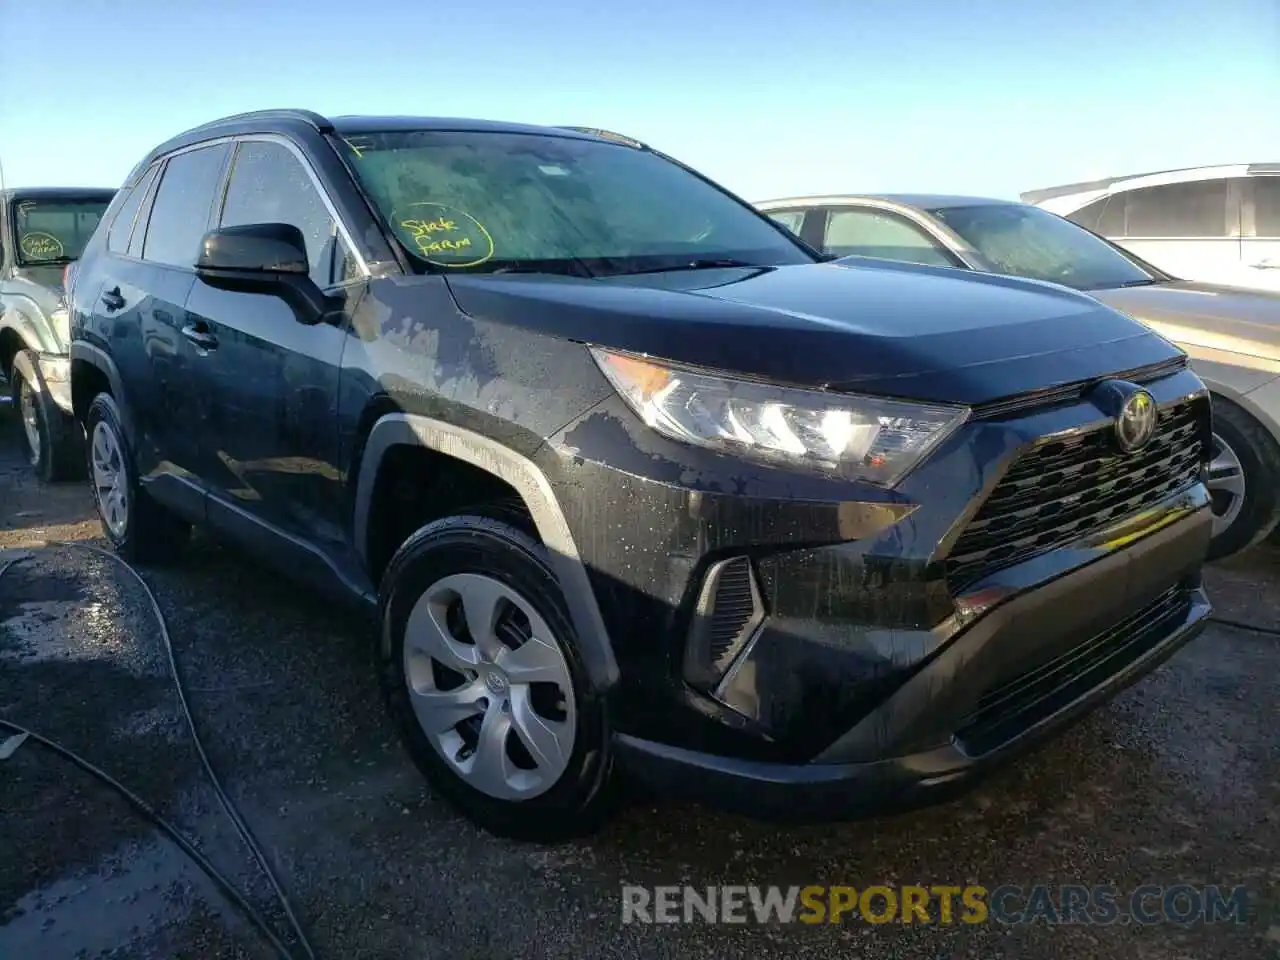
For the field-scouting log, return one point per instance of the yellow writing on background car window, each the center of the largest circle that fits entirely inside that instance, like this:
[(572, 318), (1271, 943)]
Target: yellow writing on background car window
[(444, 236), (40, 246)]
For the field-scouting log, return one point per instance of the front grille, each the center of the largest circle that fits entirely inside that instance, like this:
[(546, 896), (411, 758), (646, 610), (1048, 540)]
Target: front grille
[(1064, 489), (1012, 706)]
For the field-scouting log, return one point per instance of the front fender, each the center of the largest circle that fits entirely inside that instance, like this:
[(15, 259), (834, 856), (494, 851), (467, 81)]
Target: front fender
[(24, 316)]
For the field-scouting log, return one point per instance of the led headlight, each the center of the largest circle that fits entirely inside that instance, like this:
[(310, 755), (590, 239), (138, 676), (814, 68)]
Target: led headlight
[(859, 437)]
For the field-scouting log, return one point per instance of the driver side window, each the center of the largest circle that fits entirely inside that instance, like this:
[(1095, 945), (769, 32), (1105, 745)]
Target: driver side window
[(269, 185), (867, 232)]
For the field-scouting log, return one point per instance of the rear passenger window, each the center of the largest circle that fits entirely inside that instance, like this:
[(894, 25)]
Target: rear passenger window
[(1191, 210), (269, 185), (122, 225), (180, 214), (1266, 207)]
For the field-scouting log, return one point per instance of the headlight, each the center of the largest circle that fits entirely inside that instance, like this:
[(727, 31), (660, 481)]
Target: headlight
[(859, 437), (61, 323)]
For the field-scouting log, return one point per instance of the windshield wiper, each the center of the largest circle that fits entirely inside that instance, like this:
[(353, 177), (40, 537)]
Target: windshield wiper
[(1145, 282), (707, 263), (46, 261)]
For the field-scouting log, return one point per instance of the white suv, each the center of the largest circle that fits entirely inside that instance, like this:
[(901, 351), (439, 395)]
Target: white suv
[(1212, 224)]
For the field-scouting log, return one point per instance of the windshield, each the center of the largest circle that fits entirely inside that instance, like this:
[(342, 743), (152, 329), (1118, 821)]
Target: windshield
[(1025, 241), (55, 231), (487, 202)]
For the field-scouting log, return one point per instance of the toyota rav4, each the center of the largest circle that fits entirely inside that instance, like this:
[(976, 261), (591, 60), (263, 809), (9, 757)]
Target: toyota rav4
[(632, 480)]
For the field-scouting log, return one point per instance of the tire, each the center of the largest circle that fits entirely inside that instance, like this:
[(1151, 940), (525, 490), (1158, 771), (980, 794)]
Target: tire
[(1244, 455), (48, 436), (140, 529), (570, 795)]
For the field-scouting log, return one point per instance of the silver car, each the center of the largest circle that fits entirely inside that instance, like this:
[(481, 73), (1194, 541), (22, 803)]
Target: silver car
[(1232, 335)]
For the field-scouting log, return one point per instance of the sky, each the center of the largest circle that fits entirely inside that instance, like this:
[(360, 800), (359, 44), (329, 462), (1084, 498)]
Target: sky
[(769, 98)]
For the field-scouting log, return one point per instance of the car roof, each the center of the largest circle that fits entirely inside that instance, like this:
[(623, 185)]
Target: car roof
[(921, 201), (55, 193), (300, 122), (1184, 173)]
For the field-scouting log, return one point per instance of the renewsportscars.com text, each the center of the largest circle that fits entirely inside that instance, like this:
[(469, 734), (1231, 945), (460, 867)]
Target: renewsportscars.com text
[(970, 904)]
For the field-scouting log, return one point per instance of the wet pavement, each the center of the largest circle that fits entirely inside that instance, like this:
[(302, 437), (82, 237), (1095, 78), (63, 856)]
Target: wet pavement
[(1176, 781)]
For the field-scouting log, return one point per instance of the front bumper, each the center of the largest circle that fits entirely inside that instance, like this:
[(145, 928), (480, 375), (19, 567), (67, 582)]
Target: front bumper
[(865, 651), (1080, 665)]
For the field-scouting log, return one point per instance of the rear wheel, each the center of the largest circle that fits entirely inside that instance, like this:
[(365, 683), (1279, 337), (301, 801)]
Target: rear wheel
[(481, 672), (138, 527), (1244, 480)]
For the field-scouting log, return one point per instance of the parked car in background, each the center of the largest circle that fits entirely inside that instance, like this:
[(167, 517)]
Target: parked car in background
[(630, 477), (1232, 335), (42, 232), (1212, 224)]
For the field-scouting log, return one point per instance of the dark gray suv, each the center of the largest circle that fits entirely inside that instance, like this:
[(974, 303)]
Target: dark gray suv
[(628, 477)]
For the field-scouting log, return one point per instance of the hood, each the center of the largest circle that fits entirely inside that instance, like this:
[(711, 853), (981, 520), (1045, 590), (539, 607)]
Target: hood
[(1205, 315), (46, 276), (899, 330)]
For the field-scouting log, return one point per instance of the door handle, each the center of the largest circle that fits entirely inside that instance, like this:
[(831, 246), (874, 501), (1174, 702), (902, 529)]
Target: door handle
[(112, 300), (198, 334)]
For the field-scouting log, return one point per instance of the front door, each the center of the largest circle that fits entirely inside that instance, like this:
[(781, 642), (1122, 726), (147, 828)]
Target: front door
[(272, 383)]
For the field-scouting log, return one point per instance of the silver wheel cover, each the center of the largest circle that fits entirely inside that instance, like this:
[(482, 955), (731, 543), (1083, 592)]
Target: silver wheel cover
[(110, 483), (490, 686)]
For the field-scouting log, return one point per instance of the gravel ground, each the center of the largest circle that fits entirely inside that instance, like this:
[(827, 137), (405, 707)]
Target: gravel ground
[(1176, 781)]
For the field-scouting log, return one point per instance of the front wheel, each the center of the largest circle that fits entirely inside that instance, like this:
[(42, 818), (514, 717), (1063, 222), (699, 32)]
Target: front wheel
[(1244, 480), (481, 672), (48, 436)]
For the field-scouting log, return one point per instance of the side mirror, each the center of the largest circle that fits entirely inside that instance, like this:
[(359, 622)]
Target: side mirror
[(266, 258), (256, 254)]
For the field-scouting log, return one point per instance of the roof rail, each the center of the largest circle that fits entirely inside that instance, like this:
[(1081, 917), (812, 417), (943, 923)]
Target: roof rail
[(607, 135), (309, 117)]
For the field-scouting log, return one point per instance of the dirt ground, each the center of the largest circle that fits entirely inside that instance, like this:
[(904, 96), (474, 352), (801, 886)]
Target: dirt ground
[(1176, 781)]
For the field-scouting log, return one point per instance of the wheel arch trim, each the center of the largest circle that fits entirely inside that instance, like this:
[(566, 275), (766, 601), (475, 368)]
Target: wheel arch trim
[(523, 475)]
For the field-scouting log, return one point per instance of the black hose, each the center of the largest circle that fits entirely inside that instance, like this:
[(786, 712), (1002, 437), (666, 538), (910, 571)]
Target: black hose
[(228, 805), (147, 811), (1241, 625)]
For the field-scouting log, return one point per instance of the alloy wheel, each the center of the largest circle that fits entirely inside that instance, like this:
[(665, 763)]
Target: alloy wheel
[(30, 420), (1226, 485), (110, 482), (490, 686)]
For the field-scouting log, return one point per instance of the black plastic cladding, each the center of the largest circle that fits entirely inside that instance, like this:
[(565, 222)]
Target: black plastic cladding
[(851, 575)]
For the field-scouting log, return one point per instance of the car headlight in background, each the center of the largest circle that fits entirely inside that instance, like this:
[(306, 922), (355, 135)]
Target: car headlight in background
[(60, 320), (859, 437)]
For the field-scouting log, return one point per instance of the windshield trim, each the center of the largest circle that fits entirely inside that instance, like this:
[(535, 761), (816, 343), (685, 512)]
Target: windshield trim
[(411, 263)]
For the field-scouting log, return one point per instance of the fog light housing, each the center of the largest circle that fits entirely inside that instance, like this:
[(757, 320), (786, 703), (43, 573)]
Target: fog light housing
[(728, 612)]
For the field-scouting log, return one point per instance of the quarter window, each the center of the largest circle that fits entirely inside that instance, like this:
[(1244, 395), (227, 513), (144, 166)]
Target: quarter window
[(793, 220), (875, 233), (122, 226), (269, 185), (180, 214), (1104, 217), (1196, 209)]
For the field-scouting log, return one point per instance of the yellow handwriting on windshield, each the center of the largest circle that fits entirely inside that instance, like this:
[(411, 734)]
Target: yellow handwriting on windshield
[(40, 246), (446, 237)]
